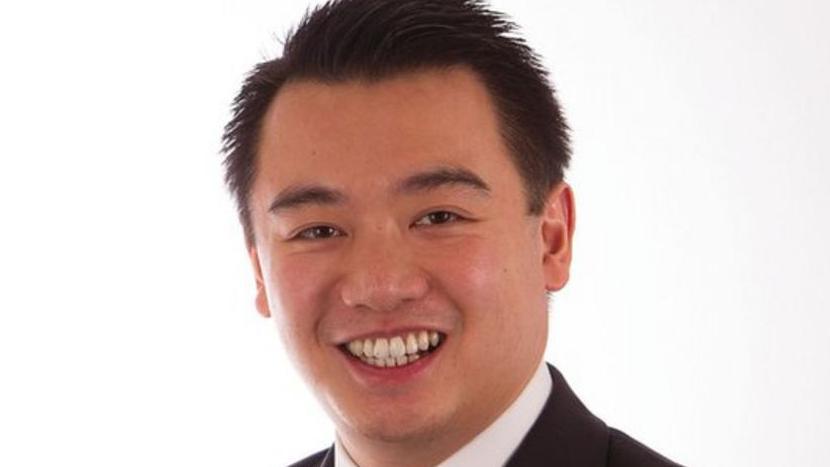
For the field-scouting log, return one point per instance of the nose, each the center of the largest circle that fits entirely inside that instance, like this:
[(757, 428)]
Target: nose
[(381, 274)]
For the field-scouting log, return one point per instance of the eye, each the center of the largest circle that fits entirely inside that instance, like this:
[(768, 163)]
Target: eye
[(438, 217), (317, 232)]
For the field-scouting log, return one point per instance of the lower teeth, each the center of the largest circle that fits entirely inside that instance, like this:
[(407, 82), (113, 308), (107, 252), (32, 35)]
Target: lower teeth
[(391, 362), (394, 362)]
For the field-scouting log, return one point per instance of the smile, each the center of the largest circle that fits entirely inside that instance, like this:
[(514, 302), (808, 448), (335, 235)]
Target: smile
[(396, 351)]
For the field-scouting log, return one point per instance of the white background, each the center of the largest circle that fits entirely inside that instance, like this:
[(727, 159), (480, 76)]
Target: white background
[(697, 318)]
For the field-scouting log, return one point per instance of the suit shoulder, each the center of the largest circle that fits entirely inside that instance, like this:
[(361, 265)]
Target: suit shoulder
[(625, 451), (314, 460)]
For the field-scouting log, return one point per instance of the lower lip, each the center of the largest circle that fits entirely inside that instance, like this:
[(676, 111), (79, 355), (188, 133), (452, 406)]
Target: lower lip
[(377, 377)]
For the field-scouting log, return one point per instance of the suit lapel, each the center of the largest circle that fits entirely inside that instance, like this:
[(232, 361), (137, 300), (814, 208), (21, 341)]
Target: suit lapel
[(565, 434)]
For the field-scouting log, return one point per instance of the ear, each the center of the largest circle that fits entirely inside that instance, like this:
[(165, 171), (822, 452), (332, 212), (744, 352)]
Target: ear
[(261, 298), (558, 222)]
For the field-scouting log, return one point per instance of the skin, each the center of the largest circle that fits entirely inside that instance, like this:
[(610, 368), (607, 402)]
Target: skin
[(455, 258)]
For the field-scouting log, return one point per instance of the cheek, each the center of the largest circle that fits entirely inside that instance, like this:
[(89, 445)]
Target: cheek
[(491, 281), (295, 297), (470, 271)]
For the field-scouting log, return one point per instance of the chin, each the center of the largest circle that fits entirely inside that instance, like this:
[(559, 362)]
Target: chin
[(394, 423)]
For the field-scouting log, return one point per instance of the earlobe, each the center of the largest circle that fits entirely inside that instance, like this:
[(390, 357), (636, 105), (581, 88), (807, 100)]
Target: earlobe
[(558, 222), (261, 298)]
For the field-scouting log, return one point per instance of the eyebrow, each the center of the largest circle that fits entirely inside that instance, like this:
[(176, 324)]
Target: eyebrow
[(301, 195), (441, 177), (297, 196)]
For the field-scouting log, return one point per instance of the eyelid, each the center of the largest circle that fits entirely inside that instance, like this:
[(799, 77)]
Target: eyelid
[(296, 235), (458, 216)]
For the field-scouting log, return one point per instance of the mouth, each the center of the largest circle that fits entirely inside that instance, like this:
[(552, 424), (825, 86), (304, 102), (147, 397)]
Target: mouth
[(396, 351)]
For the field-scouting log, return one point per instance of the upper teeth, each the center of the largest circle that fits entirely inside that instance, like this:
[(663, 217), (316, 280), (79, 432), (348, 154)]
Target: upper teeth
[(394, 351)]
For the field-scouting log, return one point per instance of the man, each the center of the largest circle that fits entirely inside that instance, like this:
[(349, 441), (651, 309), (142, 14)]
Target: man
[(399, 177)]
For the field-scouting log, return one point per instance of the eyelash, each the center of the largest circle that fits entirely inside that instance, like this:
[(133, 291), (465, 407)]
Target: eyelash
[(305, 234)]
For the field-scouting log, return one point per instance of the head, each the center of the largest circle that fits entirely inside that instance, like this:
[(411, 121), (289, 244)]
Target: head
[(400, 169), (376, 39)]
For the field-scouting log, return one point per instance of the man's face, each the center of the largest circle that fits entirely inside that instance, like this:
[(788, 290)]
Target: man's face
[(385, 209)]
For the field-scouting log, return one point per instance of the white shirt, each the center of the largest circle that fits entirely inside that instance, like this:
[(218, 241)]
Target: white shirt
[(493, 446)]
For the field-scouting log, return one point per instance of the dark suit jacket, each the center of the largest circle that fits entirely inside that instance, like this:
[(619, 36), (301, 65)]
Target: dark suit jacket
[(566, 434)]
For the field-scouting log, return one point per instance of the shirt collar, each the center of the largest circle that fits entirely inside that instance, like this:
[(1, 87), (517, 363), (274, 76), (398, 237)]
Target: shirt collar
[(494, 445)]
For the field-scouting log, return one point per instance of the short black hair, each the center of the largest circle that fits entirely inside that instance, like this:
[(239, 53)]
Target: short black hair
[(374, 39)]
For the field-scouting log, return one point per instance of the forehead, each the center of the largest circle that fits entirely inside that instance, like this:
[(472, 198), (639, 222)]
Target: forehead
[(377, 132)]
